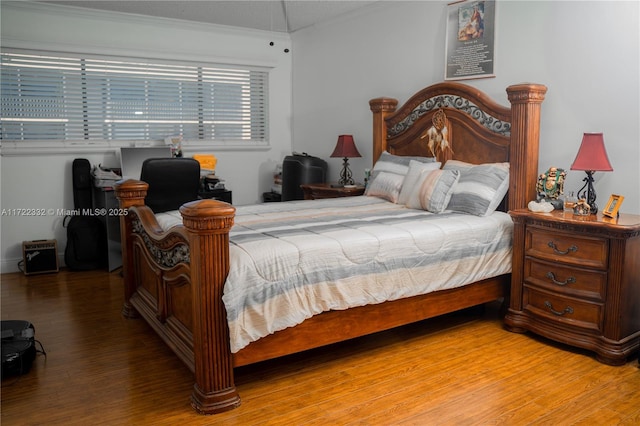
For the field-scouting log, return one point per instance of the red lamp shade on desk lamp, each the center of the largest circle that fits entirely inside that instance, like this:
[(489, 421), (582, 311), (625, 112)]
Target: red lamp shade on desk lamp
[(346, 148), (592, 157)]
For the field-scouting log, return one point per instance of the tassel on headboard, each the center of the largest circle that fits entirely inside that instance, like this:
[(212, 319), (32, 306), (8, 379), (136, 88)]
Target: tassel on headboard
[(438, 134)]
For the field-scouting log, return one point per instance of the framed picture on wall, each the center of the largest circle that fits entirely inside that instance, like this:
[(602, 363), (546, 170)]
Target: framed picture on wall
[(470, 39)]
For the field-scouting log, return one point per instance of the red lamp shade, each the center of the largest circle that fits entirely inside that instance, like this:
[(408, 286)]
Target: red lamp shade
[(346, 147), (592, 155)]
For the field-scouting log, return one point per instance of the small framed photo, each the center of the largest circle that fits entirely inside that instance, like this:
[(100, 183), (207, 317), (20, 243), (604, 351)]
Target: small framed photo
[(611, 209)]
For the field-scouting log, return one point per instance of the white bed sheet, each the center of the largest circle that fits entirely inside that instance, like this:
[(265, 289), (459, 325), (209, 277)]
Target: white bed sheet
[(290, 261)]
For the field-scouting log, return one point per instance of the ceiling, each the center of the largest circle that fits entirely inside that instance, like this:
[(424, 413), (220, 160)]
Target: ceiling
[(270, 15)]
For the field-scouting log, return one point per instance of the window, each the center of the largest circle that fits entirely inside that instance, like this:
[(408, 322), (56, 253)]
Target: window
[(61, 98)]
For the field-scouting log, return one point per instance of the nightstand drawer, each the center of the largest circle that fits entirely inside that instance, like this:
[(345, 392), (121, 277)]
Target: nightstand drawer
[(567, 310), (574, 249), (565, 280)]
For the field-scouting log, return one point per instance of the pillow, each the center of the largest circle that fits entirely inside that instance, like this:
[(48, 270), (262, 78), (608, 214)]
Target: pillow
[(480, 188), (385, 185), (414, 176), (392, 164), (457, 165), (433, 192), (397, 164)]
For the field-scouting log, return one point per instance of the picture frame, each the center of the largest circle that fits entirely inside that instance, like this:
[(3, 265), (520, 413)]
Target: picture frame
[(613, 205), (470, 39)]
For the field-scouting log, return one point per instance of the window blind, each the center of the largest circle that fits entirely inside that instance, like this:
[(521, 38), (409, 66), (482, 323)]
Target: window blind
[(63, 97)]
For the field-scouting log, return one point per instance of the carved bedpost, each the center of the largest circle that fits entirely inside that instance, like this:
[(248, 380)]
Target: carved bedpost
[(526, 100), (208, 223), (130, 193), (381, 108)]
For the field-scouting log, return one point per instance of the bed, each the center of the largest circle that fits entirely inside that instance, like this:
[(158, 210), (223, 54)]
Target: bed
[(179, 269)]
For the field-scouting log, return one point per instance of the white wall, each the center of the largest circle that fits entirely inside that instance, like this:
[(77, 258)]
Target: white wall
[(586, 53), (44, 180)]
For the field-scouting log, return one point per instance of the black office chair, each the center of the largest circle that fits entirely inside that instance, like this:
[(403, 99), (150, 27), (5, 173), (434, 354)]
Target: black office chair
[(172, 182)]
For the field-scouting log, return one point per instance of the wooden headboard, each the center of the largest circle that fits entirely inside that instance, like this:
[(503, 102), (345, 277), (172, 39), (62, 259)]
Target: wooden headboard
[(479, 130)]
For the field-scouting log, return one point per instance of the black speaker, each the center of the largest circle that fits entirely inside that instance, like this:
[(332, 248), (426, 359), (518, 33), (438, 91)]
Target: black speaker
[(40, 256)]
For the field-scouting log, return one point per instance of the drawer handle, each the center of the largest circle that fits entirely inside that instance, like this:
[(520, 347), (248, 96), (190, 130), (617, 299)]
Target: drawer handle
[(557, 251), (567, 310), (552, 277)]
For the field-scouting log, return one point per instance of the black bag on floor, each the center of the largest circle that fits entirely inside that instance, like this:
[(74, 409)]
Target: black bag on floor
[(18, 347), (86, 243), (86, 234)]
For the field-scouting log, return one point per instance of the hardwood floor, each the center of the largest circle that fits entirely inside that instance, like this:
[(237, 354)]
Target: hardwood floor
[(459, 369)]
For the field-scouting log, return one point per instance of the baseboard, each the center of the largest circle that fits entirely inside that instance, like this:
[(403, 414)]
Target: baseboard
[(9, 265)]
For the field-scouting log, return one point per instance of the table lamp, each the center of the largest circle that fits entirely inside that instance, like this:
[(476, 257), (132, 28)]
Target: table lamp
[(592, 157), (346, 148)]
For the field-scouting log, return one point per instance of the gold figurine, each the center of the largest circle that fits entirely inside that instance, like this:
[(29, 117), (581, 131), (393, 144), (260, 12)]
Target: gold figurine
[(551, 185)]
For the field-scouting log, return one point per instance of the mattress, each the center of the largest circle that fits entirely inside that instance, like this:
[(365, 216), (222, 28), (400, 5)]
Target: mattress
[(290, 261)]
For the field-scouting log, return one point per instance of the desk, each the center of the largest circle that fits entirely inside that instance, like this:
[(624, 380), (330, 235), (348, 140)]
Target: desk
[(105, 198)]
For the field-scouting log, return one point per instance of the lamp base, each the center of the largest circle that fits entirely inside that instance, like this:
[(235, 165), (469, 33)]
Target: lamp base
[(345, 174), (588, 193)]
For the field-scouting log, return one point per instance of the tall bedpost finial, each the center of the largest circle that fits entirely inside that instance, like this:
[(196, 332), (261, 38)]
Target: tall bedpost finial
[(381, 107), (208, 223), (130, 193), (526, 100)]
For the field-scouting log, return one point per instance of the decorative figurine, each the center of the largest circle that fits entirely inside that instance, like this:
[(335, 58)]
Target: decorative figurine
[(582, 208), (175, 142), (550, 186)]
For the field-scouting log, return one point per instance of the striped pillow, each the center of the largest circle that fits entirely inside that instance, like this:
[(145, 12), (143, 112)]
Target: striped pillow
[(434, 190), (391, 164), (480, 188), (414, 178), (386, 185)]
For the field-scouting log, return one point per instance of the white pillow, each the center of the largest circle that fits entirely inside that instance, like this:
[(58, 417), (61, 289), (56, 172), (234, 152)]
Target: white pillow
[(415, 175)]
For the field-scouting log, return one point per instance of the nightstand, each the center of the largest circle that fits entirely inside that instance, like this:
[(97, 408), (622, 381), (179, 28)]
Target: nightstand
[(315, 191), (576, 280)]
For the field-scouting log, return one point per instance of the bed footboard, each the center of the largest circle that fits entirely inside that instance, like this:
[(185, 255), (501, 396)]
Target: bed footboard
[(175, 280)]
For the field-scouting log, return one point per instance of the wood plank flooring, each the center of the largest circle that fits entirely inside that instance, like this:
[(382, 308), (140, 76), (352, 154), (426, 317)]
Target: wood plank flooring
[(461, 369)]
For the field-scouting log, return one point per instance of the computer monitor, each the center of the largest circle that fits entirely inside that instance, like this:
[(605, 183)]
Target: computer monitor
[(131, 159)]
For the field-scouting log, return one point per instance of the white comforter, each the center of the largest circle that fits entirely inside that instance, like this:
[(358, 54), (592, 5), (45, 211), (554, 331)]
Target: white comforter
[(289, 261)]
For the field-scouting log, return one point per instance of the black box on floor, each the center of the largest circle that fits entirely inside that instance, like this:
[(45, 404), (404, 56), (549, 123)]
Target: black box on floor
[(40, 256)]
